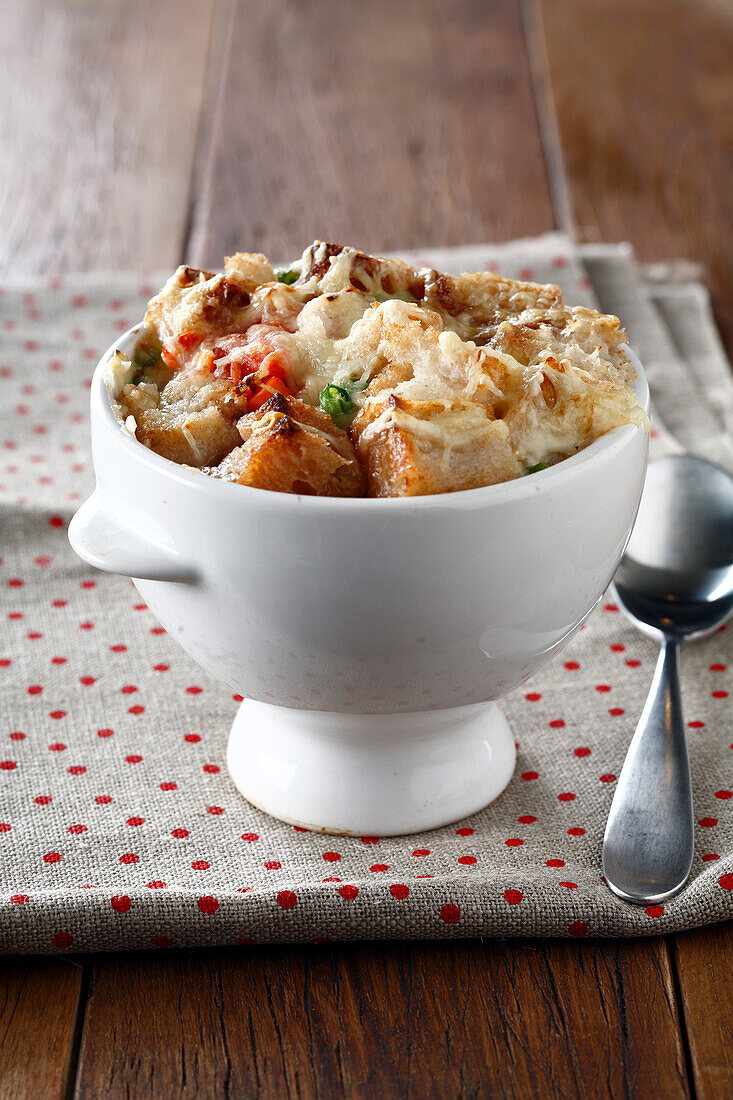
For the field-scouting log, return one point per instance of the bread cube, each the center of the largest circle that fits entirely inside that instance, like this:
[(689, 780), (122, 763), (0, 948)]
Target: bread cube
[(412, 448), (192, 420), (201, 302), (291, 447)]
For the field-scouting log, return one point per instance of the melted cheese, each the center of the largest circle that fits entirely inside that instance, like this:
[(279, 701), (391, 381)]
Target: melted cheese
[(447, 429), (118, 373), (188, 436), (476, 350)]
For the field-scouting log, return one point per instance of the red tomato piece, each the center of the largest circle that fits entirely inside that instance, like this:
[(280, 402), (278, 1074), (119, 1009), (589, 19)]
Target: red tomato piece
[(264, 393), (276, 364), (241, 367), (188, 340), (168, 355)]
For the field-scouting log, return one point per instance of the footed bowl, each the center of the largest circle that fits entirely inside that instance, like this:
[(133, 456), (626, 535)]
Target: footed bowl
[(369, 638)]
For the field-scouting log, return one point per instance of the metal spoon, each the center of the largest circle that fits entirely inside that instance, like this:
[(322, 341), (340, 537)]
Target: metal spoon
[(675, 581)]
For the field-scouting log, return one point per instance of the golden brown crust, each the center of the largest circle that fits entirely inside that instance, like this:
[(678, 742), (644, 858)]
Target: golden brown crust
[(291, 447), (249, 270), (414, 448), (194, 301), (186, 422)]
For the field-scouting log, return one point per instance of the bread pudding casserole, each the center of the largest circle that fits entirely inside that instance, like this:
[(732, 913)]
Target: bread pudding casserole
[(348, 375)]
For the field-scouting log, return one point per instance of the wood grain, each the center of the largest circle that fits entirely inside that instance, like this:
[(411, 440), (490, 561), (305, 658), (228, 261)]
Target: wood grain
[(388, 125), (645, 117), (644, 100), (39, 1003), (98, 127), (703, 960), (389, 1020)]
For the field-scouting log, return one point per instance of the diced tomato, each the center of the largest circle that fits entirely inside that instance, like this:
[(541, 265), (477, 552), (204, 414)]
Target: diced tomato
[(248, 364), (189, 340), (168, 355), (228, 343), (248, 359), (171, 350), (275, 364), (278, 385), (257, 399), (264, 393), (250, 352)]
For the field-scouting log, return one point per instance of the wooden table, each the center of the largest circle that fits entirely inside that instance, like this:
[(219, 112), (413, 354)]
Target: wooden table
[(136, 134)]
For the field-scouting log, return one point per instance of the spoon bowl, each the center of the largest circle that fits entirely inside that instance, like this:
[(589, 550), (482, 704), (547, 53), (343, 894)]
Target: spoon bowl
[(675, 581), (676, 576)]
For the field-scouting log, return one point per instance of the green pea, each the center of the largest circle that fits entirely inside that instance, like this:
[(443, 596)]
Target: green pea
[(337, 402), (287, 275), (146, 355), (399, 296)]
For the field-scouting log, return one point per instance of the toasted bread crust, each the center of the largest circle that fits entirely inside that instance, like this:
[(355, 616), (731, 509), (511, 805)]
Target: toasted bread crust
[(290, 447), (414, 448)]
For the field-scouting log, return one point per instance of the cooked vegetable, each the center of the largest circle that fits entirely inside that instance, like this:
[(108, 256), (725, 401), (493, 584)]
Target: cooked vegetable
[(287, 275), (265, 391), (188, 340), (535, 469), (337, 402), (147, 355), (398, 296)]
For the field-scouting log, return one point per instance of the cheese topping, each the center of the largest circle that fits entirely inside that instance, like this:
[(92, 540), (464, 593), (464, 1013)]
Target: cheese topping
[(487, 377)]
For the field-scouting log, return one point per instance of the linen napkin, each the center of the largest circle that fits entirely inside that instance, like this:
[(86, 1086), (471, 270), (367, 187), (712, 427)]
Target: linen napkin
[(119, 826)]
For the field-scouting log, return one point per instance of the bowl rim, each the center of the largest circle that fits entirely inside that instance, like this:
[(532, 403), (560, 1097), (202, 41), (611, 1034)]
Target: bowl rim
[(504, 491)]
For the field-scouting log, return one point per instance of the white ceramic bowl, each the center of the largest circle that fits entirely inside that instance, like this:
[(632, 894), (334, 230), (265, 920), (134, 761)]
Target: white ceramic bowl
[(368, 637)]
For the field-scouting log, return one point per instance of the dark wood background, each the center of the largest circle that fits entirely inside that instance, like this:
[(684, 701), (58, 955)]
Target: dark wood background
[(137, 133)]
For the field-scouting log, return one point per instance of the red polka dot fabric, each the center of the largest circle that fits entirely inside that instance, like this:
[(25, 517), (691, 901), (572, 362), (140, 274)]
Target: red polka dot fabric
[(119, 825)]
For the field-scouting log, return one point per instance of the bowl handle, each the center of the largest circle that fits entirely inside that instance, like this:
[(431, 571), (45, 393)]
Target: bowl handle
[(102, 540)]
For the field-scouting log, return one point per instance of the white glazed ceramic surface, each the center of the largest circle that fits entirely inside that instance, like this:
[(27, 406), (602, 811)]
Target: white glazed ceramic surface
[(359, 607), (372, 775)]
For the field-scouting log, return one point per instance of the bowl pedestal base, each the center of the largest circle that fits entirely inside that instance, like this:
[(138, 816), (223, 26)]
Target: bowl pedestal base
[(370, 774)]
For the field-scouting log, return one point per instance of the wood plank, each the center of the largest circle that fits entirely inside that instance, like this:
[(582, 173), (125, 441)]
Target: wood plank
[(645, 114), (39, 1003), (409, 124), (644, 102), (98, 131), (703, 961), (389, 1020)]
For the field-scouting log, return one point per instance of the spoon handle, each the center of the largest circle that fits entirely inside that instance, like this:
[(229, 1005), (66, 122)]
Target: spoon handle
[(648, 845)]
